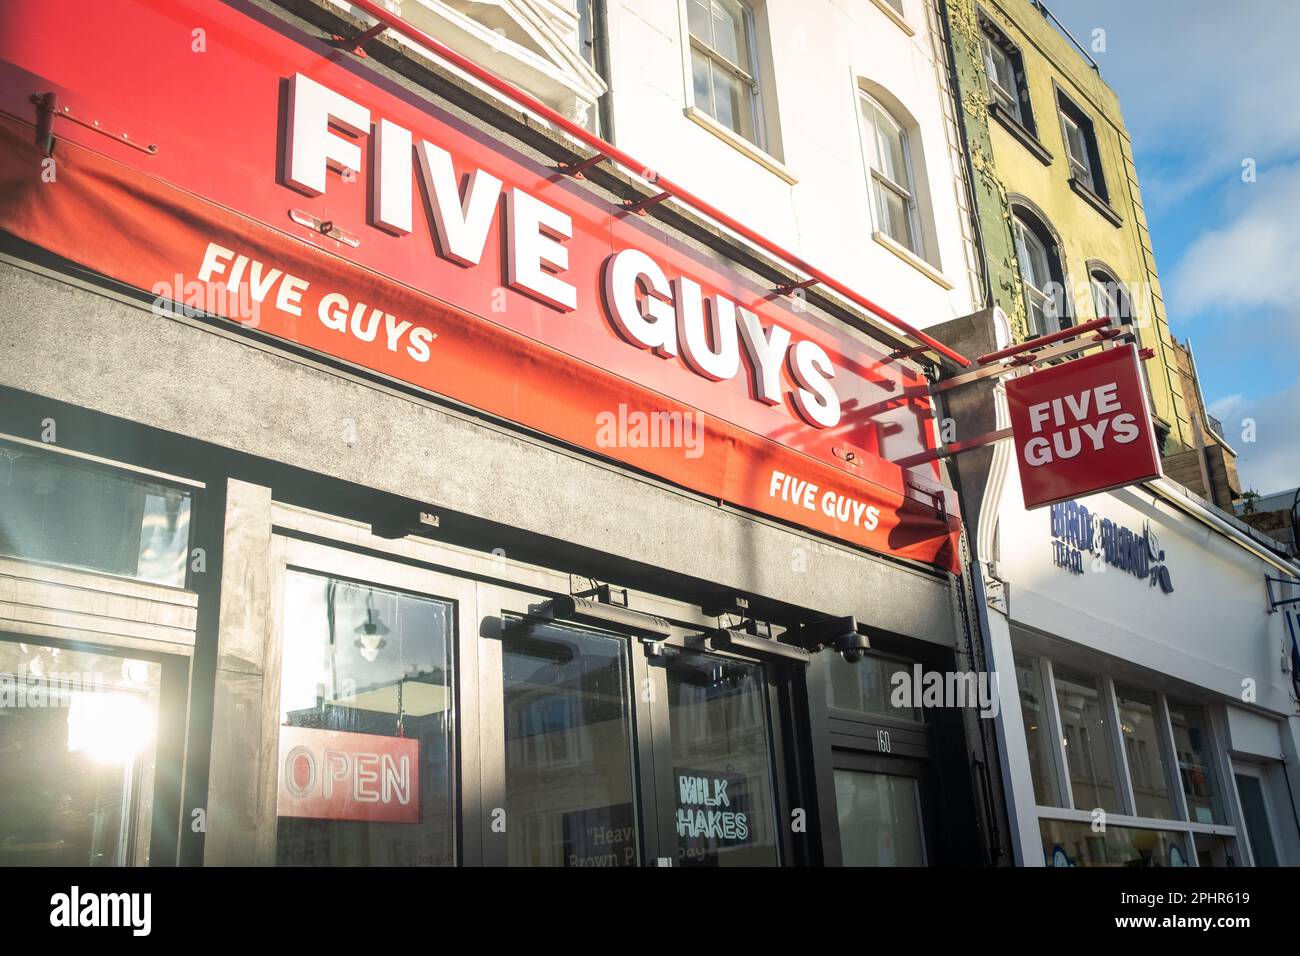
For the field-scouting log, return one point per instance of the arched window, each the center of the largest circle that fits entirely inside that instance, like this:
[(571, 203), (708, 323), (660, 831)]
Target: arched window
[(1110, 300), (888, 151), (1041, 272)]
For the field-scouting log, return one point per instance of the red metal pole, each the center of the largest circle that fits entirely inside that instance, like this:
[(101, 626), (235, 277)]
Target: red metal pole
[(1043, 340), (535, 105)]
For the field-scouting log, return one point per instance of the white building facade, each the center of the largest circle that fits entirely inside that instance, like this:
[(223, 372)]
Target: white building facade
[(826, 127), (1149, 708)]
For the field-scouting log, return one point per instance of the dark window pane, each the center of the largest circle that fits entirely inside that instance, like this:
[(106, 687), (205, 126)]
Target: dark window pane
[(60, 510), (868, 686), (569, 782), (722, 773), (880, 819), (1257, 826)]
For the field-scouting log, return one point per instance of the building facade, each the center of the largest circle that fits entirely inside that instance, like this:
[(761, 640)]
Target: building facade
[(390, 480), (1142, 637)]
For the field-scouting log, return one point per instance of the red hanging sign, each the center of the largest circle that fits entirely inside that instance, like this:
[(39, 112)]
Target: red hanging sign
[(1082, 427)]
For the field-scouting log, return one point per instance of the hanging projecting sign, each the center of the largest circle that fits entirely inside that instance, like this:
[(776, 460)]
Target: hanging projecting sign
[(296, 192), (332, 775), (1082, 427)]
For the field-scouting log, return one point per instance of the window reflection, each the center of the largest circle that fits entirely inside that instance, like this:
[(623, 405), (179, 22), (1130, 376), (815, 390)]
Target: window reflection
[(1033, 711), (1085, 730), (868, 686), (569, 783), (1137, 718), (63, 511), (1193, 744), (722, 774), (78, 733), (366, 708), (880, 819), (1078, 844)]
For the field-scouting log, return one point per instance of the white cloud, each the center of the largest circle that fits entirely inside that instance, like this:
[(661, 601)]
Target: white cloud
[(1271, 462), (1252, 260), (1204, 77)]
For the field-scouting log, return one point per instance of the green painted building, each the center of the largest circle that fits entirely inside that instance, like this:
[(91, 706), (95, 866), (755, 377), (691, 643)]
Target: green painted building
[(1057, 203)]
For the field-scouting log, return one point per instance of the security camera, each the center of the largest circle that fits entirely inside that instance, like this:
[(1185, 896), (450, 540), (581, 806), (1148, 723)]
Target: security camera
[(852, 647), (840, 633)]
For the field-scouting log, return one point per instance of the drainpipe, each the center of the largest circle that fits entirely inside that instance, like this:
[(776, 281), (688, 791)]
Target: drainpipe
[(600, 56), (1000, 812), (959, 104)]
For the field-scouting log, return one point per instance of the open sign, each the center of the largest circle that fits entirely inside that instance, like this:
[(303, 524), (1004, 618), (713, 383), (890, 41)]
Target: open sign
[(1082, 427), (331, 775)]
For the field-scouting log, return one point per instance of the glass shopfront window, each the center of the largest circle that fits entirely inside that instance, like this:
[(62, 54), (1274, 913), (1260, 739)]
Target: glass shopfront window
[(1085, 731), (568, 736), (1067, 843), (60, 510), (1137, 718), (78, 747), (1194, 747), (1254, 808), (1092, 739), (367, 763), (867, 686), (721, 763), (1033, 711)]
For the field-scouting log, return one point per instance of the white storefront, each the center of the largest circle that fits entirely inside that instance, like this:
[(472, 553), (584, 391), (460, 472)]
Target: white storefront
[(1152, 718)]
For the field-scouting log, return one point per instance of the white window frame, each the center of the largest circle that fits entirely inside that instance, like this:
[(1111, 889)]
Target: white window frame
[(751, 76), (1009, 100), (1033, 295), (1181, 826), (1080, 166), (877, 179), (895, 10), (1115, 294)]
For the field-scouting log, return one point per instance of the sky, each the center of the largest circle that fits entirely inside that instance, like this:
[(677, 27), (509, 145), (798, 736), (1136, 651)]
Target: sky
[(1211, 92)]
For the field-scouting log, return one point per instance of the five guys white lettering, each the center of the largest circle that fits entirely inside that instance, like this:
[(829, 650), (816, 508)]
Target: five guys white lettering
[(671, 317)]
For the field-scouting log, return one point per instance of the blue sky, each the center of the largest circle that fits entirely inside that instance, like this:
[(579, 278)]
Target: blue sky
[(1206, 85)]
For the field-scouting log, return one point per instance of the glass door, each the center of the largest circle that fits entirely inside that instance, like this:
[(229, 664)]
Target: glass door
[(878, 802), (605, 747), (718, 795), (561, 734), (569, 768), (371, 766)]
